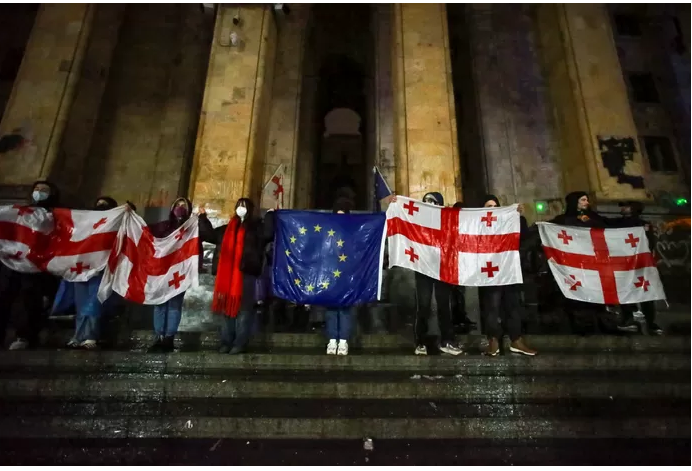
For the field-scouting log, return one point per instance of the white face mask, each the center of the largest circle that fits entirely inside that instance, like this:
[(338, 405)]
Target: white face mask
[(39, 196), (241, 211)]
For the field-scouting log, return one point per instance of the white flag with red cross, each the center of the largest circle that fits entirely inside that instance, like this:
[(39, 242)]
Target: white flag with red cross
[(149, 270), (603, 266), (25, 237), (273, 191), (72, 244), (468, 247)]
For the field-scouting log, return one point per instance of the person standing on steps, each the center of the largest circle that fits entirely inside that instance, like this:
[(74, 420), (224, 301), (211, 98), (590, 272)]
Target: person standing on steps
[(338, 320), (35, 290), (238, 261), (631, 212), (502, 302), (425, 286), (85, 296), (167, 315)]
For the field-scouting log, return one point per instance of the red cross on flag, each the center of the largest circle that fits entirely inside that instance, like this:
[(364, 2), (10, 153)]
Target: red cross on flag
[(273, 192), (148, 270), (603, 266), (71, 244), (468, 247)]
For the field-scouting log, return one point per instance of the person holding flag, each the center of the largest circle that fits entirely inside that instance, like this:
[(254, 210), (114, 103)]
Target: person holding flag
[(238, 261)]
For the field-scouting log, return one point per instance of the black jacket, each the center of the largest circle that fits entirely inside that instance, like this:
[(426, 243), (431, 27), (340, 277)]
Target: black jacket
[(573, 216), (258, 233), (635, 220)]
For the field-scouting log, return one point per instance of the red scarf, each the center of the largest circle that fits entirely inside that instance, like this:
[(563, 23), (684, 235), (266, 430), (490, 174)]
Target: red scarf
[(228, 290)]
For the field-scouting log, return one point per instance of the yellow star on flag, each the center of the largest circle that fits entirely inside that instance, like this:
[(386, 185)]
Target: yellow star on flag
[(340, 243), (337, 273), (331, 232), (342, 258), (293, 239), (318, 228), (302, 231), (288, 252), (297, 281), (290, 269), (325, 284), (310, 288)]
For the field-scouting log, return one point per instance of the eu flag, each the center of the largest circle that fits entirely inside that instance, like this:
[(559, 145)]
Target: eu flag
[(326, 259)]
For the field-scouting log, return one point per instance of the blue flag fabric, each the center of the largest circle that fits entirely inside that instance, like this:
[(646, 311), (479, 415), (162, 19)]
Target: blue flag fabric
[(381, 190), (325, 259)]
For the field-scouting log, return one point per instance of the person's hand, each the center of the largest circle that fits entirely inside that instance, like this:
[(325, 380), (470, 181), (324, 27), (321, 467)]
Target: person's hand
[(270, 210), (391, 198), (131, 206), (520, 208), (201, 210)]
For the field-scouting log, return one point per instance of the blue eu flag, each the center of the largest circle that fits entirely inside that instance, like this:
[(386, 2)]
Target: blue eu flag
[(327, 259)]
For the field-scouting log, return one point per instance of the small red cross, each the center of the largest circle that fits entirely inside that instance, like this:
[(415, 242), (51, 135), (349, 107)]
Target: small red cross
[(565, 237), (489, 269), (488, 219), (23, 209), (411, 254), (79, 268), (16, 256), (180, 234), (633, 241), (177, 279), (411, 208), (573, 282), (642, 283), (100, 223)]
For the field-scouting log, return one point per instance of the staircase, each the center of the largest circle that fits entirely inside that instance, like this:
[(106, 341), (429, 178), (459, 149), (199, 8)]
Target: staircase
[(583, 400)]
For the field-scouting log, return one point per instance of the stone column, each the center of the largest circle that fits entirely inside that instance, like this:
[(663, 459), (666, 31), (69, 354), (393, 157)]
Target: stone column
[(44, 89), (427, 152), (232, 132), (590, 103)]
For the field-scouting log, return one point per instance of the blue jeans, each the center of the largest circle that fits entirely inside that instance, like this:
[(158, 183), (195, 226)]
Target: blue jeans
[(338, 323), (89, 310), (236, 331), (167, 316)]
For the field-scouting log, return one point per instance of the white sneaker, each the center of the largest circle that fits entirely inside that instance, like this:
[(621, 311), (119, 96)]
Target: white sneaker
[(343, 348), (19, 344), (421, 350), (451, 349), (331, 347)]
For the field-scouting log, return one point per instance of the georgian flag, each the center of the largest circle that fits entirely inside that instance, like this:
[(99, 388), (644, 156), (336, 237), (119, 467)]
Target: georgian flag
[(602, 266), (273, 191), (468, 247), (24, 237), (148, 270), (71, 244)]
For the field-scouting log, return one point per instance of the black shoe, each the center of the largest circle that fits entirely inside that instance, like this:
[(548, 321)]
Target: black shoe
[(157, 347), (224, 349), (654, 329), (629, 326), (237, 350), (168, 344)]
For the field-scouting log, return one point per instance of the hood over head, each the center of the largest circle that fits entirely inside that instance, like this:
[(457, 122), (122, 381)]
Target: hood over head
[(458, 205), (572, 202), (439, 199), (111, 203), (54, 198), (487, 198), (343, 204), (637, 207), (189, 208)]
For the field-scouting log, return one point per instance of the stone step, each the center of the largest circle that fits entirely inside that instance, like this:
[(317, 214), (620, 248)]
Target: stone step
[(349, 408), (84, 362), (188, 341), (485, 389), (306, 428)]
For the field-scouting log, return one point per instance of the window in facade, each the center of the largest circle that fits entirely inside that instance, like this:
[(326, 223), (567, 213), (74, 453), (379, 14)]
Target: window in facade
[(643, 88), (627, 25), (660, 153)]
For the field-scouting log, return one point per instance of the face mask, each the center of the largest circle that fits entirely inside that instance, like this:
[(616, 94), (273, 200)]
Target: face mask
[(179, 212), (39, 196), (241, 211)]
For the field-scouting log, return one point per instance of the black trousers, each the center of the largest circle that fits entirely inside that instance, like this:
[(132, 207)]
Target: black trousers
[(30, 289), (424, 292), (501, 310), (648, 309), (458, 304)]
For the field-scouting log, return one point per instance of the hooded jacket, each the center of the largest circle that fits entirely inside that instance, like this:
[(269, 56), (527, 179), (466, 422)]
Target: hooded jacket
[(170, 225), (573, 216), (436, 196), (110, 203), (258, 233), (53, 199), (635, 220)]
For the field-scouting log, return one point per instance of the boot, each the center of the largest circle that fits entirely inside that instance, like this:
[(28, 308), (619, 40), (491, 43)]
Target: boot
[(157, 347), (493, 348), (518, 346), (168, 344)]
